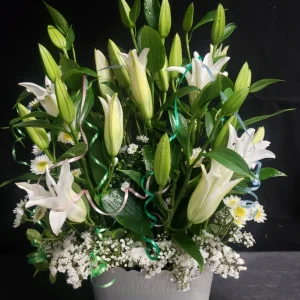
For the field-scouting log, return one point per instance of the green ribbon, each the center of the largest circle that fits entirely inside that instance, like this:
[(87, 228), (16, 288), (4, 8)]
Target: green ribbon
[(39, 255), (13, 151), (100, 263), (148, 241), (94, 158)]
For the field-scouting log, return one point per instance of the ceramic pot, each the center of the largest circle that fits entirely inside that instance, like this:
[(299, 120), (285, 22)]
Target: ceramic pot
[(132, 285)]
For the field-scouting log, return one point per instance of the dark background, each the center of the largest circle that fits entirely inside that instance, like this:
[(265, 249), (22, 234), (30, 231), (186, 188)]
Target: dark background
[(267, 37)]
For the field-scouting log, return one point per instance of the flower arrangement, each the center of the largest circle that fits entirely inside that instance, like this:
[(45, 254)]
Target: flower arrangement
[(143, 163)]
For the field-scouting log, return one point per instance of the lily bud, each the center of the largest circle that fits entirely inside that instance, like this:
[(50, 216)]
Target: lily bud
[(38, 135), (162, 77), (188, 18), (210, 191), (65, 105), (140, 89), (164, 22), (115, 59), (218, 25), (113, 124), (56, 37), (50, 66), (125, 14), (222, 138), (234, 102), (175, 54), (104, 74), (244, 78), (162, 161), (259, 135)]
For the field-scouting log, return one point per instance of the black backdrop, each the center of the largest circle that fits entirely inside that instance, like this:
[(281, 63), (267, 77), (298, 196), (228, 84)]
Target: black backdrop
[(267, 37)]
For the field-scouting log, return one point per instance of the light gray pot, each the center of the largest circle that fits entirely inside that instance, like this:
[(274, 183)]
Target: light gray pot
[(133, 285)]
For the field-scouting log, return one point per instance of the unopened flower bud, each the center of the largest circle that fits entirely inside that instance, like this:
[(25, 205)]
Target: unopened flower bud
[(162, 77), (56, 37), (164, 22), (175, 55), (259, 135), (188, 18), (244, 78), (38, 135), (218, 25)]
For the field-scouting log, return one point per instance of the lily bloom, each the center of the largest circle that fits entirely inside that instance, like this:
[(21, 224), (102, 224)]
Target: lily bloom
[(60, 198), (199, 75), (136, 68), (210, 191), (46, 96), (250, 146)]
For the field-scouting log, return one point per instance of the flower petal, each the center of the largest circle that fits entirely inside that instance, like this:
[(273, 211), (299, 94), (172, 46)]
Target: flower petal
[(77, 212), (65, 180), (33, 190), (47, 202), (143, 56), (57, 219), (35, 89)]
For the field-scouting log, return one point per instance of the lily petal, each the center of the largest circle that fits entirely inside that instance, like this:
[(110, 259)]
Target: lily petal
[(57, 219), (33, 190), (35, 89), (77, 212), (143, 56)]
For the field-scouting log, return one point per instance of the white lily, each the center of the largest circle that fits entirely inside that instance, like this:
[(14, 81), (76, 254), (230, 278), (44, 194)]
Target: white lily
[(59, 199), (136, 68), (250, 146), (200, 76), (46, 96), (210, 191)]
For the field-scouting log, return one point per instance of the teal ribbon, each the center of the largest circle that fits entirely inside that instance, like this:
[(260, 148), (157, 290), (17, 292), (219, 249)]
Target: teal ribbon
[(39, 255), (100, 263), (13, 151), (99, 163), (149, 242)]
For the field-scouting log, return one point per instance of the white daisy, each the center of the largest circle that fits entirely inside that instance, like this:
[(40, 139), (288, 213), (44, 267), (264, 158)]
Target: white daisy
[(239, 222), (38, 214), (19, 212), (240, 212), (132, 148), (232, 201), (38, 165), (142, 138), (66, 138), (33, 104), (76, 172), (260, 215)]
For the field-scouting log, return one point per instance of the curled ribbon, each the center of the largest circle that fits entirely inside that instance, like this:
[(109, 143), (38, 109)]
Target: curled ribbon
[(13, 152)]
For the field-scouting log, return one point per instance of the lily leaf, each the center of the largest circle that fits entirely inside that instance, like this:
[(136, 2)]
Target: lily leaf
[(76, 150), (134, 175), (24, 177), (261, 84), (189, 246), (231, 160), (135, 11), (151, 11), (209, 17), (149, 154), (229, 29), (70, 38), (131, 217), (40, 124)]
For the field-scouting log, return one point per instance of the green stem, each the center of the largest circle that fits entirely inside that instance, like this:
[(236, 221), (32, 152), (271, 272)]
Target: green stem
[(49, 154), (164, 100), (133, 39), (73, 133), (161, 200), (205, 224), (222, 225), (188, 45), (227, 229), (86, 175), (74, 54), (111, 173), (173, 85), (65, 53)]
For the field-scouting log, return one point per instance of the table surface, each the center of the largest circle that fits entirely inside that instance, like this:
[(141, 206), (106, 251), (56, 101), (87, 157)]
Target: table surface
[(270, 276)]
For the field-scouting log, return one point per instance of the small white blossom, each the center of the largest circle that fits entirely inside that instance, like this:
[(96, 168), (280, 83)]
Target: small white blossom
[(66, 138), (195, 154), (132, 148), (76, 172), (36, 150), (142, 138), (125, 185), (19, 212), (260, 215), (32, 104), (39, 163)]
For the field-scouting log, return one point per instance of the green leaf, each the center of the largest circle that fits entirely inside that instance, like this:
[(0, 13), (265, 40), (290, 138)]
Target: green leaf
[(85, 71), (58, 19), (70, 38), (149, 38), (134, 175), (135, 11), (266, 173), (151, 11), (115, 234), (209, 123), (226, 83), (40, 124), (33, 235), (35, 114), (24, 177), (124, 10), (260, 118), (209, 17), (234, 102), (74, 151), (229, 29), (189, 246), (261, 84), (149, 154), (175, 159), (22, 97), (231, 160), (210, 92), (131, 217), (182, 135)]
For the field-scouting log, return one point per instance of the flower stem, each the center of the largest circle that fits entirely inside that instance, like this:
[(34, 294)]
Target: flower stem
[(188, 45), (74, 54), (111, 173), (133, 39), (73, 133), (49, 154), (65, 53)]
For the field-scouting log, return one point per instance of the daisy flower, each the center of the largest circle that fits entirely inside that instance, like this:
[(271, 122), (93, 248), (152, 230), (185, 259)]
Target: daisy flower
[(239, 222), (232, 201), (38, 165), (132, 148), (36, 150), (66, 138), (19, 212), (260, 215), (196, 152)]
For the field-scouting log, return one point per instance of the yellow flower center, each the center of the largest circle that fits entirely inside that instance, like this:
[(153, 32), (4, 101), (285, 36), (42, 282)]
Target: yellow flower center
[(240, 212), (258, 214), (67, 137), (41, 165), (232, 202)]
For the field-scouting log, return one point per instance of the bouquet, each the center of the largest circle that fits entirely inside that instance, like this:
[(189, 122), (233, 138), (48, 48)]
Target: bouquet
[(143, 162)]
